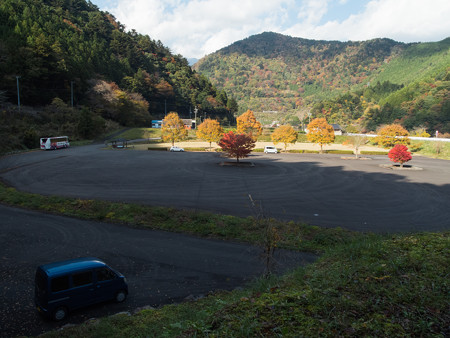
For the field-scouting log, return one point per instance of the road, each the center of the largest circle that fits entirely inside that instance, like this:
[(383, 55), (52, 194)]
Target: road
[(160, 267)]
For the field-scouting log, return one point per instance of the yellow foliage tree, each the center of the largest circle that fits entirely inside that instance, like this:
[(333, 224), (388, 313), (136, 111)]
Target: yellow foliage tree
[(210, 131), (173, 128), (320, 132), (392, 134), (247, 124), (284, 134)]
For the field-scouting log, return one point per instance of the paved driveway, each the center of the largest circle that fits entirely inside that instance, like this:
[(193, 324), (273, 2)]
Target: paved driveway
[(320, 189), (160, 267)]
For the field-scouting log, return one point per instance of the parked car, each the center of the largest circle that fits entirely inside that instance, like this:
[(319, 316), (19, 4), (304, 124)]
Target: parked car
[(173, 148), (270, 149), (61, 287)]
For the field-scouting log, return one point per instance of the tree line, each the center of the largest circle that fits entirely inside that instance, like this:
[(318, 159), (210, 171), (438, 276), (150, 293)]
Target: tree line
[(73, 52)]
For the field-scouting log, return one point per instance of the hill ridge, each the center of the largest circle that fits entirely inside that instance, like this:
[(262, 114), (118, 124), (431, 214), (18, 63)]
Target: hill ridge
[(274, 72)]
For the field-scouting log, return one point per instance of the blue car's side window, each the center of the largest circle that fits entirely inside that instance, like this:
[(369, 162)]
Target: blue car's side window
[(105, 274), (83, 278), (60, 283)]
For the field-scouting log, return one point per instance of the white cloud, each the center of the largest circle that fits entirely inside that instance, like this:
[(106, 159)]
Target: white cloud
[(312, 11), (402, 20), (197, 27), (194, 28)]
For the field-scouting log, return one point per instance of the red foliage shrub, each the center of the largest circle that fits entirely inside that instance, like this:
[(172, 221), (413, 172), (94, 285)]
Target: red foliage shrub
[(400, 154)]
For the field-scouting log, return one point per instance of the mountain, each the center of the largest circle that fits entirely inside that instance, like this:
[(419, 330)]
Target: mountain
[(292, 76), (192, 61), (52, 49)]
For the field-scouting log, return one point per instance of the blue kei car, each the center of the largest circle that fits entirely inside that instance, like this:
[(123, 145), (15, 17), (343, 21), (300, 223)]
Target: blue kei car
[(64, 286)]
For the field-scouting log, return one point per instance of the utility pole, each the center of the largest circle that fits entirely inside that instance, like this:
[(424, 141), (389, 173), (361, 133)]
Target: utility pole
[(18, 91), (71, 93), (195, 112)]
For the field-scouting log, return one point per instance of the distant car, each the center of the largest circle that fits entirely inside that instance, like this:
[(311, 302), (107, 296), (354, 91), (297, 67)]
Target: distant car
[(173, 148), (270, 149)]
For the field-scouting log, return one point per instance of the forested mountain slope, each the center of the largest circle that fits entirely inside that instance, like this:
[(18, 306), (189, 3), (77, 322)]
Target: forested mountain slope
[(50, 47), (369, 82)]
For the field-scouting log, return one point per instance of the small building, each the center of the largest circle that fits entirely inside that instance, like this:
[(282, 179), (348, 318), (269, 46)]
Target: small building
[(189, 123), (156, 123), (337, 129)]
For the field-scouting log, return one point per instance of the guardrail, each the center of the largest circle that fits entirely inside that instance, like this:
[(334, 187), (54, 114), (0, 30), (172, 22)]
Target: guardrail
[(410, 137)]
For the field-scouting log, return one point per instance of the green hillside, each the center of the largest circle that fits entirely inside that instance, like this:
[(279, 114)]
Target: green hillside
[(53, 48), (416, 62), (346, 82)]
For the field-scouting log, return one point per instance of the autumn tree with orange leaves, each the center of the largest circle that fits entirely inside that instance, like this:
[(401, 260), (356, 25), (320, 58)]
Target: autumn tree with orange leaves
[(392, 134), (247, 124), (237, 145), (173, 128), (284, 134), (210, 131), (320, 132)]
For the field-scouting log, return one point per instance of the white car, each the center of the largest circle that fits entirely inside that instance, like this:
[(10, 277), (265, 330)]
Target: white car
[(270, 149), (173, 148)]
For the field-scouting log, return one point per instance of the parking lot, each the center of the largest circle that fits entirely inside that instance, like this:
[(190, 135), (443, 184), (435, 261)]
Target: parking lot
[(162, 267), (324, 190)]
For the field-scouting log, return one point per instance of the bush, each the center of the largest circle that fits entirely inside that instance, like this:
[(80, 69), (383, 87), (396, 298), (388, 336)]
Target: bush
[(343, 152), (416, 146), (400, 154), (391, 135), (196, 149), (373, 152)]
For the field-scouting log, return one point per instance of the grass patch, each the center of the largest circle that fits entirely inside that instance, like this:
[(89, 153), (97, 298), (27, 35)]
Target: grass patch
[(196, 149), (297, 236), (435, 149), (392, 286), (305, 151), (206, 149), (140, 133), (343, 152), (80, 143), (373, 152)]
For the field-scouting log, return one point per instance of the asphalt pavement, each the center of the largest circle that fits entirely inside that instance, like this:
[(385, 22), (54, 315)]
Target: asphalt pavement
[(323, 190), (160, 267)]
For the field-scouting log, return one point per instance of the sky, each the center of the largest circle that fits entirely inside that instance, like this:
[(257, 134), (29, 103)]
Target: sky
[(195, 28)]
